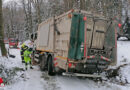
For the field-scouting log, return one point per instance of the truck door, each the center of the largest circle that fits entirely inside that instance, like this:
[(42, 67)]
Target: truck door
[(76, 45), (98, 34), (89, 30)]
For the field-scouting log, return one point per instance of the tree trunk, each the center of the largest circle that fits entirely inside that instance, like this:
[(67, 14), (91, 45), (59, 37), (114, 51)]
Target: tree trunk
[(3, 50)]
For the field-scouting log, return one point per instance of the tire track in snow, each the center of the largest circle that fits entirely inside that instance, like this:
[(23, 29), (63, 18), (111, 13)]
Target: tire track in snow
[(50, 82), (33, 81), (74, 83)]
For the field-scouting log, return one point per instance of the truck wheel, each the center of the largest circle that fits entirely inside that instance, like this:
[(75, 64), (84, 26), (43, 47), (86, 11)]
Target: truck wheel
[(43, 63), (50, 66)]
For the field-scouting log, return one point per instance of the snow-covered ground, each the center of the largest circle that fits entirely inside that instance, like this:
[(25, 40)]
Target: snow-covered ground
[(123, 52), (37, 80), (32, 81)]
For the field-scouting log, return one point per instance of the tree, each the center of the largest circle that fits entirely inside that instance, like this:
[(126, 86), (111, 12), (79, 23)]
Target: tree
[(13, 15), (30, 13), (3, 50)]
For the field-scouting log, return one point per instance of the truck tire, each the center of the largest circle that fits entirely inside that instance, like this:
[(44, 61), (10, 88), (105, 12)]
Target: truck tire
[(43, 63), (50, 66)]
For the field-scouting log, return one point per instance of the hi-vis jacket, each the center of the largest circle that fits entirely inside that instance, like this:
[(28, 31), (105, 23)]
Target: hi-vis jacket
[(27, 57)]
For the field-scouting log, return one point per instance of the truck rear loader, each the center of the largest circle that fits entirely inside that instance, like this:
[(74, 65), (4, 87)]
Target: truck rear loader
[(76, 43)]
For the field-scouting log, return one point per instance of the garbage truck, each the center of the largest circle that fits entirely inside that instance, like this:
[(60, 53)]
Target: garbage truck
[(76, 43)]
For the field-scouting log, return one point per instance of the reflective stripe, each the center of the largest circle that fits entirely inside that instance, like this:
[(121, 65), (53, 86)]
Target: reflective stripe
[(105, 58), (36, 59), (36, 55), (90, 56), (56, 64)]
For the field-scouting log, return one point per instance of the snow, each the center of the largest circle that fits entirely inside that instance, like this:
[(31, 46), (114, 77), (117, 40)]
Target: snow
[(32, 82), (21, 81), (126, 72), (31, 78), (84, 84), (123, 52), (37, 80)]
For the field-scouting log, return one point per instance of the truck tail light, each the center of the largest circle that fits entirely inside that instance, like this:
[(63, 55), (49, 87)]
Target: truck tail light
[(69, 65), (119, 25), (55, 59), (55, 64), (85, 18)]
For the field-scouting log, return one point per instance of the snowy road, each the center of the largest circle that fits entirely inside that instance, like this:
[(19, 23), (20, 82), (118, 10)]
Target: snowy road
[(37, 80)]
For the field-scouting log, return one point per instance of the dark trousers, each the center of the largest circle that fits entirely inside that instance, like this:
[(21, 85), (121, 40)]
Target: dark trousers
[(22, 57), (26, 64)]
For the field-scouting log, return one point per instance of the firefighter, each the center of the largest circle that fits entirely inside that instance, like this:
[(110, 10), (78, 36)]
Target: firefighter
[(23, 48), (27, 58)]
